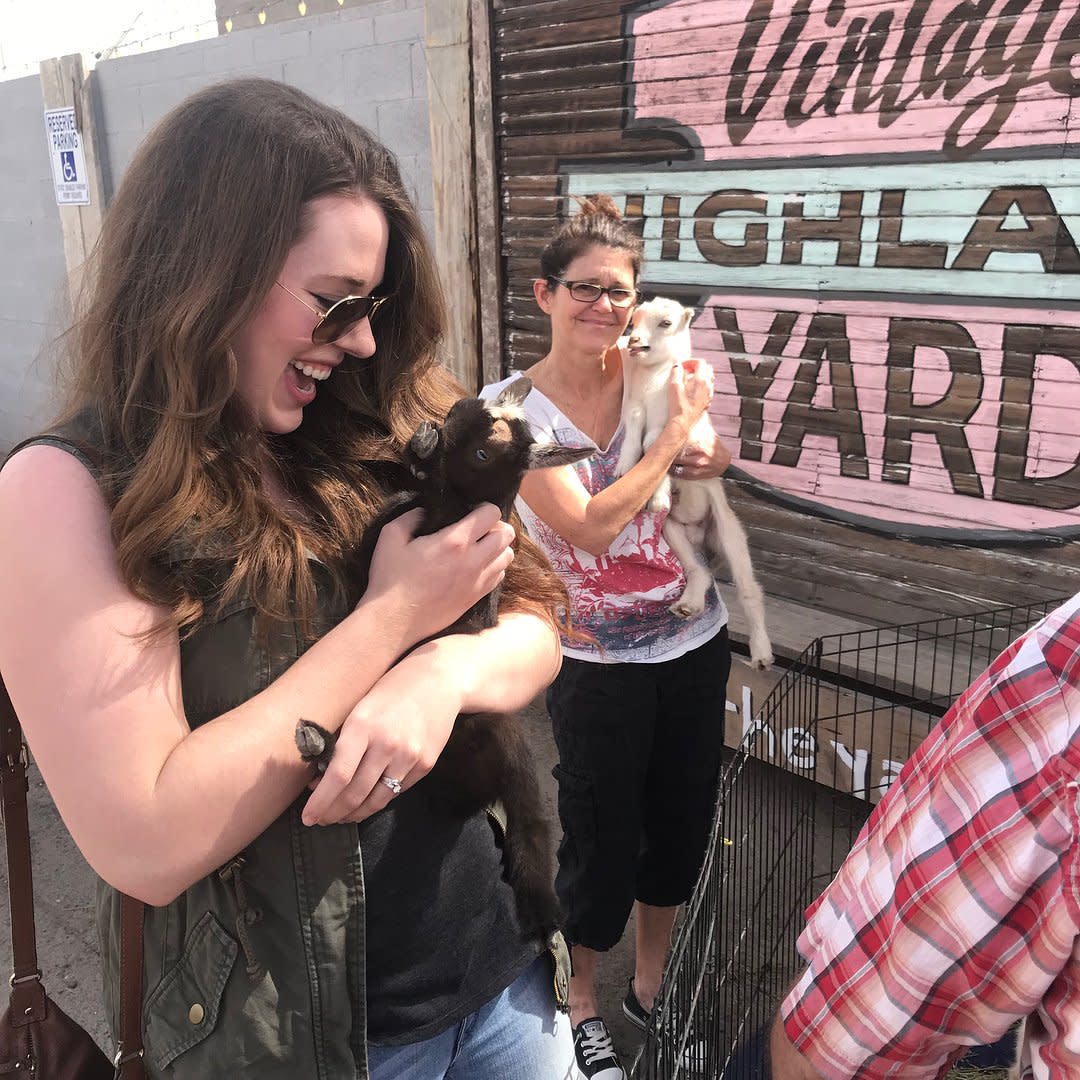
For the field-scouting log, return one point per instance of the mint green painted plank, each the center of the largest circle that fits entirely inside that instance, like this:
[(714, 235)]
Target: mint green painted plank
[(855, 279), (795, 179)]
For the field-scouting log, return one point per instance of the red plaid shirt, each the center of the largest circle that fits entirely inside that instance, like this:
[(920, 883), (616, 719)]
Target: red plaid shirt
[(958, 909)]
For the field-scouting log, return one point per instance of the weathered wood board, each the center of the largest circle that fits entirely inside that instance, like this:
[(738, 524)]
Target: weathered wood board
[(874, 206)]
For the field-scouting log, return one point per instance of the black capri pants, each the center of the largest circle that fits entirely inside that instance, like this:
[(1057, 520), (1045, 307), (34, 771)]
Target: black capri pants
[(640, 748)]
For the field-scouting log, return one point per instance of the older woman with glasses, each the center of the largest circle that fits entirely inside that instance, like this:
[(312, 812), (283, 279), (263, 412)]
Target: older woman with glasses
[(639, 716), (257, 345)]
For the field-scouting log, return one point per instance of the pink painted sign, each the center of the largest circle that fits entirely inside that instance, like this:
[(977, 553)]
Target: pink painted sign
[(956, 418), (772, 78), (896, 335)]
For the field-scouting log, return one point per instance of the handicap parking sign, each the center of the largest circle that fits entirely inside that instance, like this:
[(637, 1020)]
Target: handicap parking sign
[(68, 160)]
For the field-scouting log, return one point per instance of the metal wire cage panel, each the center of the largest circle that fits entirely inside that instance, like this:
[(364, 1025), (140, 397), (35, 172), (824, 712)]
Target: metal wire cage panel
[(827, 742)]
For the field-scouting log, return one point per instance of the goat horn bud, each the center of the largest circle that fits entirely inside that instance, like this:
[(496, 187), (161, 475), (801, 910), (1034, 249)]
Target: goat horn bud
[(424, 440)]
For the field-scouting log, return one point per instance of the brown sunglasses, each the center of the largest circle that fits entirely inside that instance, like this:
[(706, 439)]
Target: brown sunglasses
[(340, 317)]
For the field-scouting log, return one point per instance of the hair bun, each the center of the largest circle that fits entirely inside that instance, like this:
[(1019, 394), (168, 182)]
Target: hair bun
[(598, 206), (597, 223)]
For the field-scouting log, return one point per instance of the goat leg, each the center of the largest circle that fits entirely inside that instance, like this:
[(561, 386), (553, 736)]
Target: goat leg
[(488, 760), (528, 846), (698, 578), (633, 433), (661, 497), (360, 561), (732, 539)]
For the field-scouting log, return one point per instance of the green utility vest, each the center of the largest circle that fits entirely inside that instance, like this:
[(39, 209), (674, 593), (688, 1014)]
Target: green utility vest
[(256, 971)]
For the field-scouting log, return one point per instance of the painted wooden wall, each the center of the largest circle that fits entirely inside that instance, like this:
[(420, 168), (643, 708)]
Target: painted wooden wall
[(874, 206)]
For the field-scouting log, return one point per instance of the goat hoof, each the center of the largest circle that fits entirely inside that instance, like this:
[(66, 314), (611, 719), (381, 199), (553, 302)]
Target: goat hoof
[(762, 663), (309, 739), (315, 743), (685, 609)]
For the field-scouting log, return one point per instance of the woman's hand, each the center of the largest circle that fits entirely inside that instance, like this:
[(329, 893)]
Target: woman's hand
[(397, 730), (426, 583), (690, 389), (402, 724), (703, 458)]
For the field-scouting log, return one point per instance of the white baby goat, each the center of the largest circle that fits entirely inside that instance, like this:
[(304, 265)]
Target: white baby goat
[(700, 516)]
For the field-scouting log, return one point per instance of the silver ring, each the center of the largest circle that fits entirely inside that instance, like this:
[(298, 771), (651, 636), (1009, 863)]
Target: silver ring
[(391, 783)]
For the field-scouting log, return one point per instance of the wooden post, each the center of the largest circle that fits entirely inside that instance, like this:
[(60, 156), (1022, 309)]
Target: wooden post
[(457, 45), (449, 78), (488, 248), (64, 84)]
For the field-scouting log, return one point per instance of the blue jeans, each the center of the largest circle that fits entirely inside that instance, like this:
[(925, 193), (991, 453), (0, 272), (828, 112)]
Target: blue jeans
[(518, 1035)]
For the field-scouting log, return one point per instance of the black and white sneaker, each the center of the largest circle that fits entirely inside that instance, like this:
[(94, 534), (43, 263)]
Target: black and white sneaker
[(694, 1053), (595, 1052), (633, 1010)]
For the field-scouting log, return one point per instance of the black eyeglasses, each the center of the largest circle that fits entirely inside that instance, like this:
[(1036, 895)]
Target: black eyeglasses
[(586, 292), (340, 317)]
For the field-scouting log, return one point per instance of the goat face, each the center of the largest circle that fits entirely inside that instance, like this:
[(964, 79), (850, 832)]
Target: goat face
[(484, 448), (660, 333)]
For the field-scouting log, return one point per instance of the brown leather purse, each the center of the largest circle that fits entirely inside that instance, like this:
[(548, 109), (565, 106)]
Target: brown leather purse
[(37, 1038)]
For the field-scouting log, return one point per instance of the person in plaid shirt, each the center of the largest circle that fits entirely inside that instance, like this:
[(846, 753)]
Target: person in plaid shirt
[(958, 910)]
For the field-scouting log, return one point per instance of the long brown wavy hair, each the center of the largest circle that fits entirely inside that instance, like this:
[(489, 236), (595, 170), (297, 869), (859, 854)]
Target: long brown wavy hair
[(189, 248)]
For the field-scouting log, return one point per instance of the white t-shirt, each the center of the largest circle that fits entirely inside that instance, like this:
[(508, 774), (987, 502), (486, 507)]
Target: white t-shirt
[(622, 596)]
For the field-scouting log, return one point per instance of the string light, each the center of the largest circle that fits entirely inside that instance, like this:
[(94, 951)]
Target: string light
[(228, 26), (302, 7), (262, 18)]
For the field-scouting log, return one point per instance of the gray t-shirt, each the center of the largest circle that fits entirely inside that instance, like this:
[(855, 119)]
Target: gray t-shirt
[(442, 931)]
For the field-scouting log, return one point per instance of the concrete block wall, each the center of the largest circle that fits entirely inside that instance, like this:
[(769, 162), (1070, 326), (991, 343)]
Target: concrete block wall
[(34, 302), (366, 59)]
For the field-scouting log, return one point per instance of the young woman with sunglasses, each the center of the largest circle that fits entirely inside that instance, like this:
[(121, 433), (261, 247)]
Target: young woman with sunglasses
[(257, 344), (639, 717)]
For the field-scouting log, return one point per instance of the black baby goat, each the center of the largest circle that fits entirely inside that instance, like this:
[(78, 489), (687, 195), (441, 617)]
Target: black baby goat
[(480, 454)]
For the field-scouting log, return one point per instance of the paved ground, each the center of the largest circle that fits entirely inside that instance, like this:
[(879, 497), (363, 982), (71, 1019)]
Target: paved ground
[(67, 941)]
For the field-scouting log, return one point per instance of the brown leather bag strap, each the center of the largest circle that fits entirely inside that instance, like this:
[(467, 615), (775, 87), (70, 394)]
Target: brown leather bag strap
[(28, 995), (129, 1054)]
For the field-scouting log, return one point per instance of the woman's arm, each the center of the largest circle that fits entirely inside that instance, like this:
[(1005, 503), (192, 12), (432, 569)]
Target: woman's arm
[(559, 498), (153, 805), (496, 670), (504, 668)]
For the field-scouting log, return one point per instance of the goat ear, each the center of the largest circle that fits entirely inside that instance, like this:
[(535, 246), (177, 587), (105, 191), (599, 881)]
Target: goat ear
[(424, 440), (548, 455), (516, 392), (685, 317)]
